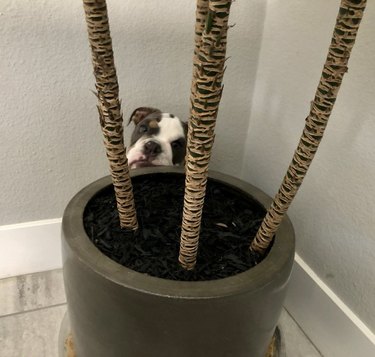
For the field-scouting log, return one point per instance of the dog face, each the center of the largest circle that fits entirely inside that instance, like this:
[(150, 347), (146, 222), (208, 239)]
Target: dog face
[(158, 139)]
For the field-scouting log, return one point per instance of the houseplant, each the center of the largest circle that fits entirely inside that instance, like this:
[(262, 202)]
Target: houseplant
[(117, 311)]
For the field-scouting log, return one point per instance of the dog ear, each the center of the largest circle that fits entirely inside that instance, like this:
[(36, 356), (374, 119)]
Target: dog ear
[(140, 113)]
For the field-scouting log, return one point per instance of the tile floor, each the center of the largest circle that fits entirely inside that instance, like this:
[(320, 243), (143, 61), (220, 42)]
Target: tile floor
[(32, 307)]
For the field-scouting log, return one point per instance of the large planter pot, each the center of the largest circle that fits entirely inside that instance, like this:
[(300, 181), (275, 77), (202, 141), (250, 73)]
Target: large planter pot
[(115, 311)]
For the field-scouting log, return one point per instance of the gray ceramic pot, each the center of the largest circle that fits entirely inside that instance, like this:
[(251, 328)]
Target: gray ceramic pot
[(115, 311)]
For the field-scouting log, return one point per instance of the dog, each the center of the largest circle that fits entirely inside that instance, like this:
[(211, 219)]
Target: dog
[(158, 139)]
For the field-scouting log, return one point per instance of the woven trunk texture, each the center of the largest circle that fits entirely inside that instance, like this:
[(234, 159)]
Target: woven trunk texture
[(336, 65), (208, 71), (109, 108)]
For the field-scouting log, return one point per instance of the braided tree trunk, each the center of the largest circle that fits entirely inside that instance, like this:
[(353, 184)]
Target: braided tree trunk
[(200, 24), (110, 108), (344, 35), (208, 72)]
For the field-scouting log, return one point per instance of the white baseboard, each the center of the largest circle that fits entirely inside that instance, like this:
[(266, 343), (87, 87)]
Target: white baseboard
[(334, 329), (30, 247)]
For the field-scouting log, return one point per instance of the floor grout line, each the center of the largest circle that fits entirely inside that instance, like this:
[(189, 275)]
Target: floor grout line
[(296, 322), (33, 310)]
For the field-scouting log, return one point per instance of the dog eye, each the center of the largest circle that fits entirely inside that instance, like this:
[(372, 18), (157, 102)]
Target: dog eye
[(143, 128), (176, 144)]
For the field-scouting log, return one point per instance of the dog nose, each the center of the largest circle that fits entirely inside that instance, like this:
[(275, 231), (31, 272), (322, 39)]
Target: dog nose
[(152, 148)]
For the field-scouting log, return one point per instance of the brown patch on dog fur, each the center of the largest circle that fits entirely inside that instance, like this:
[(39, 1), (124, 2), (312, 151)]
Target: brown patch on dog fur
[(142, 112), (153, 124)]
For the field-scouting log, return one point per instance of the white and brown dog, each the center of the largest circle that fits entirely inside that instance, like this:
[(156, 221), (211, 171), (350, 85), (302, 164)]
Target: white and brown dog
[(158, 139)]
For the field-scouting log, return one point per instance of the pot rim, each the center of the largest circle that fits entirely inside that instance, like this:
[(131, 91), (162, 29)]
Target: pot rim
[(253, 279)]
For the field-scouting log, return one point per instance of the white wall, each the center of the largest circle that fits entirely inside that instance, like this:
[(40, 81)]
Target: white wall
[(50, 139), (334, 211)]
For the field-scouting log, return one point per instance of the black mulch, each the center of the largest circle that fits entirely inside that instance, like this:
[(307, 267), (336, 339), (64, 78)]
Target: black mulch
[(231, 220)]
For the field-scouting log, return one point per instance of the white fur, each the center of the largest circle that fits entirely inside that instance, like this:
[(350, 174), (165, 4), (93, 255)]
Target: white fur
[(171, 129)]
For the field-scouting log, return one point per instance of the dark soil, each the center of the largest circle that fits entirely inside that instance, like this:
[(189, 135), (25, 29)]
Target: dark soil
[(231, 220)]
